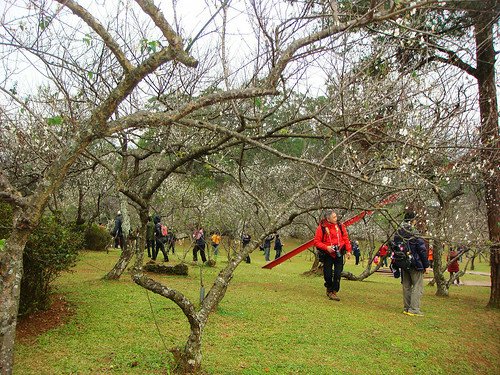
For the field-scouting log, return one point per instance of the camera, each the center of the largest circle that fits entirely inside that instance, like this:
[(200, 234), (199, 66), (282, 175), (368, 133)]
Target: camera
[(337, 251)]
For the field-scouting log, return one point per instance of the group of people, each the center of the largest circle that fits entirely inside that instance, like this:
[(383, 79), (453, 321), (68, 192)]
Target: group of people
[(200, 245), (333, 244), (266, 246), (157, 236)]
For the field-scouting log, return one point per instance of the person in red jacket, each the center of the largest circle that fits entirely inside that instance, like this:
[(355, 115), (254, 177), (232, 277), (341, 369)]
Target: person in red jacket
[(382, 252), (453, 267), (332, 241)]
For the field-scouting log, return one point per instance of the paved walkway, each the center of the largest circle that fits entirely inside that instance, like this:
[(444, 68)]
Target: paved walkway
[(428, 277), (479, 273)]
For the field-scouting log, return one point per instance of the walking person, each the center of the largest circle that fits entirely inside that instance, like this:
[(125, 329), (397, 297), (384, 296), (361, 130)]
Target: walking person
[(278, 246), (332, 241), (150, 237), (412, 278), (356, 251), (161, 238), (118, 231), (216, 238), (171, 239), (245, 240), (199, 245)]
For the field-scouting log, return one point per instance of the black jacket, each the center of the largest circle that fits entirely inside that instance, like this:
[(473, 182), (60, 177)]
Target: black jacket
[(410, 237), (117, 230), (277, 244)]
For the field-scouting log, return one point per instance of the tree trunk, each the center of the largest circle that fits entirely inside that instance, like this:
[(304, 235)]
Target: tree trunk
[(79, 215), (128, 252), (122, 263), (441, 284), (141, 240), (367, 272), (11, 272), (189, 362), (490, 154)]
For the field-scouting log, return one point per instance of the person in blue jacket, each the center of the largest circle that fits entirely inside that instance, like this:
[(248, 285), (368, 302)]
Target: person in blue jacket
[(412, 278)]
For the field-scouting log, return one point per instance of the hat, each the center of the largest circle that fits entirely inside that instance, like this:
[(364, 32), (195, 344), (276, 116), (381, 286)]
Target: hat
[(119, 212), (409, 216)]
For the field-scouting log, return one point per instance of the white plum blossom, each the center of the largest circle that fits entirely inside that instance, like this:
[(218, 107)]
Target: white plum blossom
[(403, 132), (407, 160), (386, 180)]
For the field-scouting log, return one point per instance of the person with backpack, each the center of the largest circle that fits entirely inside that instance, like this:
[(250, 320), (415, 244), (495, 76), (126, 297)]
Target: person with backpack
[(150, 237), (278, 246), (410, 257), (161, 237), (199, 245), (332, 241)]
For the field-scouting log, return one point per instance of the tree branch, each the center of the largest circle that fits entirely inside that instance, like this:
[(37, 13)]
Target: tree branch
[(100, 30), (9, 194)]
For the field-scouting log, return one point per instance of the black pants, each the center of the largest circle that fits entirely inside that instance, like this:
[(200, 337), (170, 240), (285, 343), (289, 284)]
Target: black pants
[(160, 246), (171, 246), (278, 253), (201, 249), (150, 244), (357, 259), (119, 241), (332, 277), (247, 259)]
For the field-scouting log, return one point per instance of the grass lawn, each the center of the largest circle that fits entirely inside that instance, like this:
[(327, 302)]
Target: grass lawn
[(270, 322)]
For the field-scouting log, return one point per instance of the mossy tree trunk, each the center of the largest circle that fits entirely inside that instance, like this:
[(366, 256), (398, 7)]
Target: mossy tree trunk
[(11, 272)]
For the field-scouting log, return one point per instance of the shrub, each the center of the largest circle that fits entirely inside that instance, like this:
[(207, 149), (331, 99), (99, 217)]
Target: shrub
[(51, 249), (97, 238)]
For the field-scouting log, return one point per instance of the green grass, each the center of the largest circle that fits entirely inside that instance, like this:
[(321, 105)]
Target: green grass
[(270, 322)]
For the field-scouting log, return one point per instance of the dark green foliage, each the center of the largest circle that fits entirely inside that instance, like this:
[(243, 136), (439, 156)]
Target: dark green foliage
[(51, 249), (97, 238), (178, 269)]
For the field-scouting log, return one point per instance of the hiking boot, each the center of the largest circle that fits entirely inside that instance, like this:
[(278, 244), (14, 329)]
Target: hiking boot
[(333, 296)]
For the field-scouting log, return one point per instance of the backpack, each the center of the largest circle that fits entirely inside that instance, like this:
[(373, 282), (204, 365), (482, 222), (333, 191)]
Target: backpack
[(401, 256), (164, 230)]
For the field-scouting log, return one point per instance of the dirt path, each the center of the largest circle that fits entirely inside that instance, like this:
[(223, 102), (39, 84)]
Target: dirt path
[(29, 327)]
